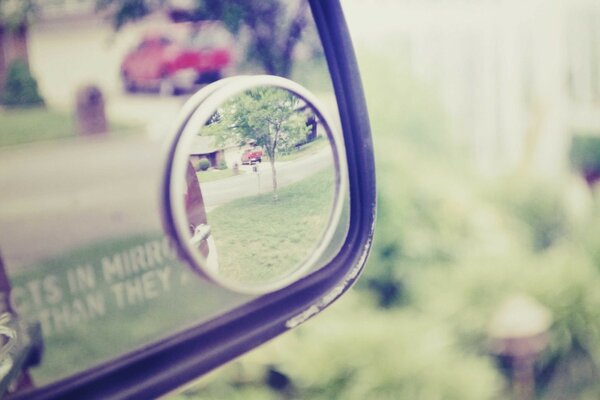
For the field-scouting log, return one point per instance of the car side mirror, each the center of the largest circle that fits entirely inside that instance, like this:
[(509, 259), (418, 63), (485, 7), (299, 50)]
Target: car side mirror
[(144, 271), (279, 216)]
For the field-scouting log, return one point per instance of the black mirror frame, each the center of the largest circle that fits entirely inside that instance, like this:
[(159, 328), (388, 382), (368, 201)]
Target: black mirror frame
[(161, 367)]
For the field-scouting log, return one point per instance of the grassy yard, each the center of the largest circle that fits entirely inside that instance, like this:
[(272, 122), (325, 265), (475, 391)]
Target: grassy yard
[(32, 125), (261, 240), (27, 125), (307, 149), (89, 316)]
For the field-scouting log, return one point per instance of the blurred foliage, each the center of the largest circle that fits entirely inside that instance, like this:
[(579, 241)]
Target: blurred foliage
[(124, 11), (585, 156), (222, 164), (22, 125), (449, 249), (15, 13), (274, 27), (20, 88), (266, 117), (357, 352), (538, 206), (203, 164)]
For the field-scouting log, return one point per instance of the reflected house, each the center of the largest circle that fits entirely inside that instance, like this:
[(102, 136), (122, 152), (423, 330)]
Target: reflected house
[(207, 147)]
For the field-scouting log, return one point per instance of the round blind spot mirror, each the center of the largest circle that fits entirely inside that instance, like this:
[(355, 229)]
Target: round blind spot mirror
[(255, 184)]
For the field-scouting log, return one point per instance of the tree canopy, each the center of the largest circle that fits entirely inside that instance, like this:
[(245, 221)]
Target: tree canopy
[(268, 117), (275, 27), (14, 13)]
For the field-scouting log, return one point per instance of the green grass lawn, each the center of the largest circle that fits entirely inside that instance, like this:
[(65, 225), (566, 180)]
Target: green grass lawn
[(262, 240), (258, 239), (307, 149), (33, 124), (215, 174), (27, 125)]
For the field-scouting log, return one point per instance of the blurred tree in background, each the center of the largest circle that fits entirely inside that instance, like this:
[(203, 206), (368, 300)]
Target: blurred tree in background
[(274, 27), (15, 13), (450, 247), (17, 86), (20, 88)]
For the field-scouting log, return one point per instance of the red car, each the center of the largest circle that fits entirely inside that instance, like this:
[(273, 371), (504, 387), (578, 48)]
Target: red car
[(178, 57), (252, 155)]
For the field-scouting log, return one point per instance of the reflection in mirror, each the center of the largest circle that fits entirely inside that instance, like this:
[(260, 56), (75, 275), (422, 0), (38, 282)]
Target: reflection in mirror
[(82, 246), (262, 187)]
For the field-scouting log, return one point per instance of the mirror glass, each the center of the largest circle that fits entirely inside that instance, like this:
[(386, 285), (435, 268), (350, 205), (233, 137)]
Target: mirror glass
[(83, 251), (259, 185)]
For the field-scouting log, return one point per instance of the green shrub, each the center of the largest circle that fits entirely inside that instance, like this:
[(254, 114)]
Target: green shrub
[(563, 279), (417, 221), (356, 352), (222, 164), (585, 156), (539, 207), (203, 164), (20, 88), (448, 251)]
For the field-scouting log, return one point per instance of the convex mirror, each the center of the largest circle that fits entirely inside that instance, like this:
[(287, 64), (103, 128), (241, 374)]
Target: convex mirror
[(255, 184)]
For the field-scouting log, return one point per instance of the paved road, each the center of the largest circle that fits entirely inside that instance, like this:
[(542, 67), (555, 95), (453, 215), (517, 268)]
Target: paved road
[(61, 195), (252, 183)]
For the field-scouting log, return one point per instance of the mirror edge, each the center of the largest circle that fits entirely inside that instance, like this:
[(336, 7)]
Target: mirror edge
[(159, 368), (177, 166)]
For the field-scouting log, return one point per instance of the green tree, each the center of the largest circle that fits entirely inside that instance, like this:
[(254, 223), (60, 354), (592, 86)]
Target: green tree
[(17, 86), (20, 88), (16, 13), (275, 26), (269, 117)]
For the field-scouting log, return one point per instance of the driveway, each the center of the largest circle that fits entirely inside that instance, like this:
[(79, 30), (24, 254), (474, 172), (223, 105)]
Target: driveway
[(251, 183), (62, 195)]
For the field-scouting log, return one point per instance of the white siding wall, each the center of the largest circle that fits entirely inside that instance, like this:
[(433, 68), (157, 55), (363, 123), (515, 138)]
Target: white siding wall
[(516, 77)]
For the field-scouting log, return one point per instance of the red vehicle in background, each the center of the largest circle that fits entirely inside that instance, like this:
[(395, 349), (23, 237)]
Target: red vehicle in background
[(252, 155), (178, 57)]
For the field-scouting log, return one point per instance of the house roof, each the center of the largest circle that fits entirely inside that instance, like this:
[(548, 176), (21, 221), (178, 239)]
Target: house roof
[(206, 145), (203, 145)]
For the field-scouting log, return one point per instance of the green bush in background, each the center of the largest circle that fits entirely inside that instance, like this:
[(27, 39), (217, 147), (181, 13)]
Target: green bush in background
[(358, 352), (20, 88), (203, 164), (585, 155), (222, 164), (539, 207), (449, 249)]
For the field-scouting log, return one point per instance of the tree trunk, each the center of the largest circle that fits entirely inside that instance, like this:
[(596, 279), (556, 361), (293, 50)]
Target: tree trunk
[(5, 305), (274, 176), (294, 35), (13, 46)]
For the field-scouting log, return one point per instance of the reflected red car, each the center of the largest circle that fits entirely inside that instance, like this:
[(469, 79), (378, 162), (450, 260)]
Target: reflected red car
[(252, 155), (178, 58)]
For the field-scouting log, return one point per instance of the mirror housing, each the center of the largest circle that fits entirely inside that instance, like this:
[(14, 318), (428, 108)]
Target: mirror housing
[(276, 223), (160, 367)]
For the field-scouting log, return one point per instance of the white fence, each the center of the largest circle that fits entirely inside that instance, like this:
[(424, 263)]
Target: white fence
[(517, 78)]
